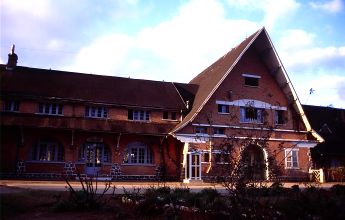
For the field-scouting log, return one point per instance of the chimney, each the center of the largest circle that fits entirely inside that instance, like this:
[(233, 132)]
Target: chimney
[(12, 59)]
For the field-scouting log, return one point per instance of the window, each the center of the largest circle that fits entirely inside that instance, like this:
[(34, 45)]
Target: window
[(172, 115), (221, 157), (251, 115), (279, 117), (96, 112), (200, 130), (47, 151), (138, 115), (291, 158), (11, 106), (206, 157), (224, 109), (137, 153), (165, 115), (50, 108), (218, 130), (251, 80)]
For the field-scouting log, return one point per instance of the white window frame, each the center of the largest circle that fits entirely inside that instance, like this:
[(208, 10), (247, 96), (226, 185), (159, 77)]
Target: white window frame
[(217, 129), (257, 120), (224, 109), (253, 77), (45, 150), (96, 112), (50, 109), (276, 117), (11, 106), (199, 128), (139, 115), (222, 156), (137, 154), (291, 158)]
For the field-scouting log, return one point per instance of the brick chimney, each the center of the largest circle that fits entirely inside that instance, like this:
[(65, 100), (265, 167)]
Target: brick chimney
[(12, 59)]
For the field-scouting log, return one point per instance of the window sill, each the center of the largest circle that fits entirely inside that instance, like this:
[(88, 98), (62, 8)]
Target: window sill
[(43, 114), (46, 162), (292, 168), (220, 135), (170, 120), (249, 86), (224, 113), (138, 164), (251, 122)]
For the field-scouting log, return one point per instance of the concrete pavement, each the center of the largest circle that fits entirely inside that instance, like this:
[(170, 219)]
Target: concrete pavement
[(5, 185)]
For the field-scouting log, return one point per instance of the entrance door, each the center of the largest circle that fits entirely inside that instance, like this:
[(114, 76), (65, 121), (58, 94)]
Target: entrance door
[(93, 153), (253, 156), (193, 166)]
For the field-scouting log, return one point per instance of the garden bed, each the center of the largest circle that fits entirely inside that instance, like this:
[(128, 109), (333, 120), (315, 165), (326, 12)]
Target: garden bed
[(273, 202)]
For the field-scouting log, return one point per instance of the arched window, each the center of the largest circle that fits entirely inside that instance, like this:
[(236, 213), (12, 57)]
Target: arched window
[(137, 153), (47, 151)]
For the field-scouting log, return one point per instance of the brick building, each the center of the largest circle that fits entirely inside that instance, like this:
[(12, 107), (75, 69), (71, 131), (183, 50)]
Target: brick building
[(52, 120)]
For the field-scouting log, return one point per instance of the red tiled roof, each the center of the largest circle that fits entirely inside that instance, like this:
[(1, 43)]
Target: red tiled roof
[(25, 81), (210, 78)]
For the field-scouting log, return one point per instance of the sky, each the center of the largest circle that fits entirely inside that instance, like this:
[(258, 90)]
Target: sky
[(174, 40)]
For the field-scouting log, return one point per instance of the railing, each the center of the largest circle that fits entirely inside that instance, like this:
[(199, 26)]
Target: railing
[(317, 175)]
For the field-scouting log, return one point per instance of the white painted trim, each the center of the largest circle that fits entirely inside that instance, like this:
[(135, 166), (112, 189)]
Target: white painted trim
[(294, 94), (251, 103), (249, 128), (251, 76), (203, 139), (286, 152)]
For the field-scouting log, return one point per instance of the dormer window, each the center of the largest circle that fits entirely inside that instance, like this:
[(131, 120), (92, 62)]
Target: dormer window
[(11, 106), (138, 115), (96, 112), (251, 80), (169, 116), (50, 108)]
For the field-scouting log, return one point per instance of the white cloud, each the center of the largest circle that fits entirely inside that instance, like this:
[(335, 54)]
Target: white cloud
[(326, 87), (333, 6), (37, 8), (273, 10), (174, 50), (299, 52), (104, 56)]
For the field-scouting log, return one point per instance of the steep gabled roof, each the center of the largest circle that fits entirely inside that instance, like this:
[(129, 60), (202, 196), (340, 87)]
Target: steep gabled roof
[(210, 79), (43, 83)]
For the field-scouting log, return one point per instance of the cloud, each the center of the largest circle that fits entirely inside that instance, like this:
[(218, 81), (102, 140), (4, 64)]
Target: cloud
[(328, 88), (173, 50), (300, 52), (272, 10), (333, 6)]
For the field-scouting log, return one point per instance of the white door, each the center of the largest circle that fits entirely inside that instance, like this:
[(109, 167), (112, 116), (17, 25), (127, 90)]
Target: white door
[(193, 166), (93, 152)]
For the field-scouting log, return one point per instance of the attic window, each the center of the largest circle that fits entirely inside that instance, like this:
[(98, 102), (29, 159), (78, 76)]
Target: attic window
[(251, 80), (169, 116)]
